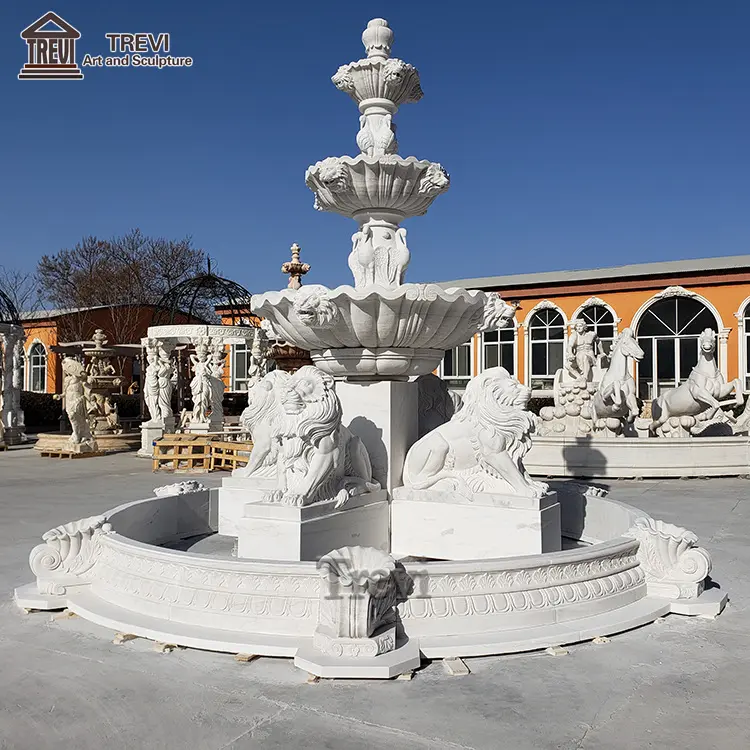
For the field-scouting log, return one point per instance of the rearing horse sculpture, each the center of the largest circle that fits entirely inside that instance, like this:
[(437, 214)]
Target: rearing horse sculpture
[(615, 398), (700, 393)]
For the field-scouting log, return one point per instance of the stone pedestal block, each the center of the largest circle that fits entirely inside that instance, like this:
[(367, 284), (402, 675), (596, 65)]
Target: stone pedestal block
[(271, 531), (426, 523), (384, 415), (202, 428), (152, 431), (234, 494)]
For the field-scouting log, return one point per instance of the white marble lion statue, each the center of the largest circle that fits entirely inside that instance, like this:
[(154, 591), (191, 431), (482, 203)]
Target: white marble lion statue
[(262, 419), (317, 457), (481, 449)]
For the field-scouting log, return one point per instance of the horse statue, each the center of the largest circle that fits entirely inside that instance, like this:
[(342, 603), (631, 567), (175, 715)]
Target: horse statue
[(615, 398), (699, 395)]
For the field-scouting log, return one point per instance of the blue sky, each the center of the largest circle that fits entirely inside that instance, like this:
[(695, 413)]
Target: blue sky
[(577, 133)]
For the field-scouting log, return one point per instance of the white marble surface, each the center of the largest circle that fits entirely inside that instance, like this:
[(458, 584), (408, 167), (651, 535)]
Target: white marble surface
[(384, 415), (234, 494), (639, 457), (273, 531), (422, 526)]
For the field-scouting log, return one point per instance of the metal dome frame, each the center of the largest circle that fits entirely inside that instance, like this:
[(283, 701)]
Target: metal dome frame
[(8, 311), (189, 298)]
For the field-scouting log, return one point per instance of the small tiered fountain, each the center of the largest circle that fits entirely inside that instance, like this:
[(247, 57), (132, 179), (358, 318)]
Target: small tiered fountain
[(375, 523)]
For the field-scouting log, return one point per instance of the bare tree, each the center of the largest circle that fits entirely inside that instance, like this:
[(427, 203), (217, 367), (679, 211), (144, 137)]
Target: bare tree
[(22, 287), (122, 273)]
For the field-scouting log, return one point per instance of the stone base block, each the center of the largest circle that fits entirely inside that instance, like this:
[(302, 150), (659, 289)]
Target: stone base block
[(28, 597), (203, 428), (359, 648), (150, 433), (272, 531), (234, 494), (708, 605), (426, 523), (404, 658), (13, 436)]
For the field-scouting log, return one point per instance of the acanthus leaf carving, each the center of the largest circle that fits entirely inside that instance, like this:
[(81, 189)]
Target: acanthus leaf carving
[(69, 551), (674, 565)]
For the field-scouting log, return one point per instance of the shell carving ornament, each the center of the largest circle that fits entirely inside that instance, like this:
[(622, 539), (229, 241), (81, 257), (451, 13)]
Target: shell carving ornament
[(68, 553), (675, 566), (358, 598)]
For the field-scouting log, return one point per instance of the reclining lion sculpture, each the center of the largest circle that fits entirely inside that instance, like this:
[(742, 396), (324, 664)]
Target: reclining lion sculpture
[(481, 448)]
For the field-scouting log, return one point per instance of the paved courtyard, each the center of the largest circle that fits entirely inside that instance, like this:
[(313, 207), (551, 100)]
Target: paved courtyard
[(681, 683)]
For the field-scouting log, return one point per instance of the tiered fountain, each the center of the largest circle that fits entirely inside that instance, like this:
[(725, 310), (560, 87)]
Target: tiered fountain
[(372, 525)]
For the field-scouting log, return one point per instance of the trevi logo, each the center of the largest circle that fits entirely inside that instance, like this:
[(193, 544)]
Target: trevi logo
[(52, 40), (51, 44)]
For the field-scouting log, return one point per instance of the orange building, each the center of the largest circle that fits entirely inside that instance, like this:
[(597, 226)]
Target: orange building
[(666, 304), (122, 324)]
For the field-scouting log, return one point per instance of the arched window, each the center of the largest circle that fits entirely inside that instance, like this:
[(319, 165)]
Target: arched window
[(456, 367), (600, 319), (38, 368), (499, 349), (746, 328), (668, 334), (547, 340)]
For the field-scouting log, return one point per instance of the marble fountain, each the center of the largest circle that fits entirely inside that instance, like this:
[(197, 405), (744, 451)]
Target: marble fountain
[(374, 525)]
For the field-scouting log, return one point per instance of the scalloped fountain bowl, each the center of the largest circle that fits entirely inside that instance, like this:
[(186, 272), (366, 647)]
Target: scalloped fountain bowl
[(352, 185), (124, 573), (378, 331)]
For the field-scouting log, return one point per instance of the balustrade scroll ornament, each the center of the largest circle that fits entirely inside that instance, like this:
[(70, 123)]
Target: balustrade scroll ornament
[(675, 566), (68, 553)]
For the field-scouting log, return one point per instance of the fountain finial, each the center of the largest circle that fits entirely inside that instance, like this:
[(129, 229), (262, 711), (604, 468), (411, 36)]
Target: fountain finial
[(378, 38), (295, 268)]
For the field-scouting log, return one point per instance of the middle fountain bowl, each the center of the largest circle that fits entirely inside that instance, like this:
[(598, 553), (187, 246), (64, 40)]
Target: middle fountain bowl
[(376, 332)]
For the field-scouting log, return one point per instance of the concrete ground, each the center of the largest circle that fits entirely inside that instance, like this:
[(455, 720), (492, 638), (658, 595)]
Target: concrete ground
[(682, 683)]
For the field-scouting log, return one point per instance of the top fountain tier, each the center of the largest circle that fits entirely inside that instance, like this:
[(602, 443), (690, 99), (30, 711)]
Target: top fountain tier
[(379, 80), (377, 185)]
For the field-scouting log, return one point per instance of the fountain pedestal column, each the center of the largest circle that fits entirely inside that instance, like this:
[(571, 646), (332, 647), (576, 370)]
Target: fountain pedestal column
[(384, 416)]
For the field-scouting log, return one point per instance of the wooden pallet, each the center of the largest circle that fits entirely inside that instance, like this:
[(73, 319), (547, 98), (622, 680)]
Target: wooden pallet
[(62, 453), (225, 454), (189, 453)]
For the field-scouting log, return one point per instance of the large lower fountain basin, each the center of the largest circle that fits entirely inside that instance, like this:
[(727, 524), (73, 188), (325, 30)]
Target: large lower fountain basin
[(133, 583), (623, 458)]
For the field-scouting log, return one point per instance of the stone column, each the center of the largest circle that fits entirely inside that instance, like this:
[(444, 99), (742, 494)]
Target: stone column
[(385, 416), (12, 416)]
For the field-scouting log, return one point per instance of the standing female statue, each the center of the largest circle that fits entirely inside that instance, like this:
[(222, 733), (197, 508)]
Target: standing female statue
[(200, 385), (158, 385)]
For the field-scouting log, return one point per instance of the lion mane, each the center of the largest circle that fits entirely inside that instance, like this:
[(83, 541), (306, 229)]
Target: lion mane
[(497, 403), (481, 449)]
